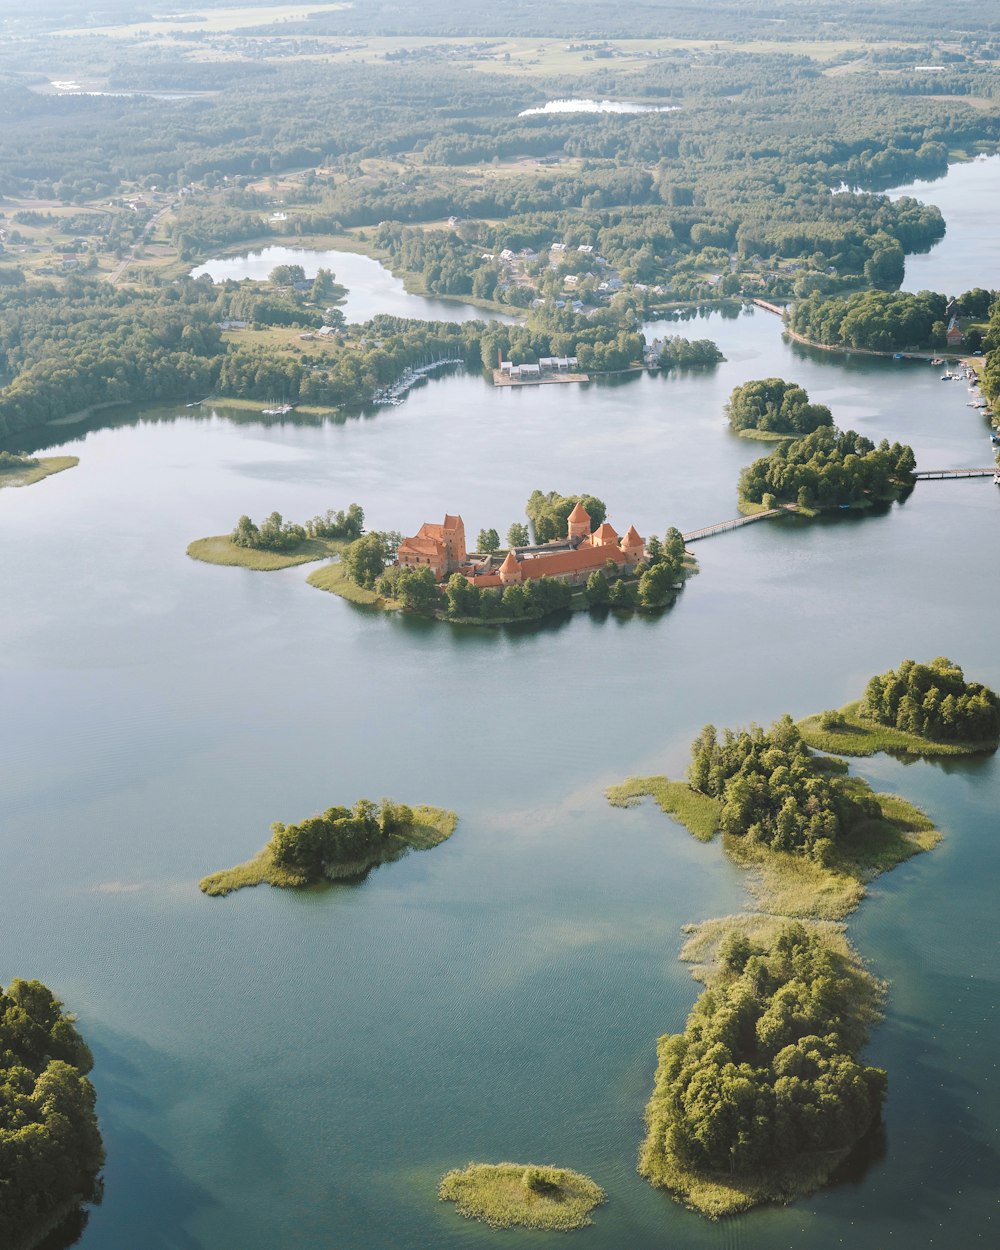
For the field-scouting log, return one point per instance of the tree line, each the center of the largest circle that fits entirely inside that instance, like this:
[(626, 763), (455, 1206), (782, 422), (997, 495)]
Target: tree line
[(765, 1074), (341, 835), (933, 700), (775, 406), (773, 791), (51, 1153), (276, 534), (827, 468)]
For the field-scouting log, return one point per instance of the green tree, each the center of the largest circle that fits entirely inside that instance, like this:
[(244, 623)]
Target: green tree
[(517, 535), (488, 541), (365, 559)]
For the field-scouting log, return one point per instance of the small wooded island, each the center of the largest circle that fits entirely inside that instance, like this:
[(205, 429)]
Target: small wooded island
[(339, 844), (280, 544), (772, 409), (828, 468), (762, 1095), (20, 470), (577, 560), (519, 1195), (51, 1153), (917, 709)]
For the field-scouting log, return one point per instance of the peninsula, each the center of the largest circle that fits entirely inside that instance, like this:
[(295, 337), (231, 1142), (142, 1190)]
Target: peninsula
[(17, 470), (280, 544), (338, 844)]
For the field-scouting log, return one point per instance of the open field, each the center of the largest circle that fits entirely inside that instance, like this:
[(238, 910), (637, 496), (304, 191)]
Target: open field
[(206, 21)]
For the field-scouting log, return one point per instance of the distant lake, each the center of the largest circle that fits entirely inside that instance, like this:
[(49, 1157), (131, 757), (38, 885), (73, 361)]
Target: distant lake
[(969, 253), (372, 289), (597, 106)]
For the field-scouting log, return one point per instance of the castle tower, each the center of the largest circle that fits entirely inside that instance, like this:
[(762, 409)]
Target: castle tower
[(578, 523), (453, 537), (633, 545), (510, 571), (604, 536)]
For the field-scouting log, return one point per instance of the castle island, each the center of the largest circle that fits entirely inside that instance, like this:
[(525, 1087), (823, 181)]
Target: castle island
[(572, 559)]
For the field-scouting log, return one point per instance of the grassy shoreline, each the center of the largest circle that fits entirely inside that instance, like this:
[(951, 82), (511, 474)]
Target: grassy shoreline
[(856, 736), (522, 1195), (220, 549), (431, 826), (30, 474)]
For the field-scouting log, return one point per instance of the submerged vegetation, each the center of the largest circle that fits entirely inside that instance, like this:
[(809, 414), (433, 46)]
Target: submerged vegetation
[(519, 1195), (338, 844), (50, 1146)]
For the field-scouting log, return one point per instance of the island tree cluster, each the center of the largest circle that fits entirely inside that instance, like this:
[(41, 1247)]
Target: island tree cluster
[(50, 1146), (827, 468), (773, 791), (774, 406), (765, 1074), (341, 835), (933, 700)]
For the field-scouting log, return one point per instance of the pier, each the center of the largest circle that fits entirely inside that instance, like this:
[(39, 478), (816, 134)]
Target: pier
[(931, 475)]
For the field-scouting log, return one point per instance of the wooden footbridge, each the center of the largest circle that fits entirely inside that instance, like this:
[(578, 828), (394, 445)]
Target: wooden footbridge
[(931, 475), (736, 523)]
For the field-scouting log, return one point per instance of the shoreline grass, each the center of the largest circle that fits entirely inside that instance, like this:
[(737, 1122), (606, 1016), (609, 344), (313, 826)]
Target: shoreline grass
[(431, 826), (766, 436), (522, 1195), (854, 735), (28, 475), (698, 813), (220, 549), (333, 578), (790, 885)]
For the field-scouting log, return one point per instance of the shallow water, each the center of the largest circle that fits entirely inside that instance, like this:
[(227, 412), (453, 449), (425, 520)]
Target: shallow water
[(280, 1069)]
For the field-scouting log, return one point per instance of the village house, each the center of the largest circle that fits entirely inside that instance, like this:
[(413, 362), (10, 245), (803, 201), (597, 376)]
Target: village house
[(572, 559)]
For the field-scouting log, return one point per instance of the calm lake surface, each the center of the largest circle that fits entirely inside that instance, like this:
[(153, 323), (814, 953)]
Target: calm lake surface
[(371, 287), (969, 254), (297, 1070)]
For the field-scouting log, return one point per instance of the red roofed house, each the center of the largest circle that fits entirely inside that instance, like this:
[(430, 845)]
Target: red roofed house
[(442, 547)]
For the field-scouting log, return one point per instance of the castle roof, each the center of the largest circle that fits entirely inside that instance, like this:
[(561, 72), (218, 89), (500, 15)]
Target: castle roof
[(577, 561), (579, 514), (632, 538), (509, 563), (452, 523), (604, 536), (423, 544)]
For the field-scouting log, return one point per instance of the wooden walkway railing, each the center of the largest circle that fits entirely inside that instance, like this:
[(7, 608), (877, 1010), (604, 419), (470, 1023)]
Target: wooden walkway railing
[(929, 475), (722, 526)]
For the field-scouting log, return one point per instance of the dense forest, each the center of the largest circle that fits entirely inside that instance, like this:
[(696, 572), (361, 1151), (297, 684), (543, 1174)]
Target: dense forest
[(933, 700), (765, 1076), (774, 792), (774, 406), (50, 1146), (826, 469)]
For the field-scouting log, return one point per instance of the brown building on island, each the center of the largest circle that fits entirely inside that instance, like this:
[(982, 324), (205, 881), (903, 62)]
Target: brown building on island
[(572, 559)]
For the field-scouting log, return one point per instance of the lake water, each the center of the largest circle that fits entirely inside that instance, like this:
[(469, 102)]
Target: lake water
[(371, 288), (279, 1070), (969, 254)]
